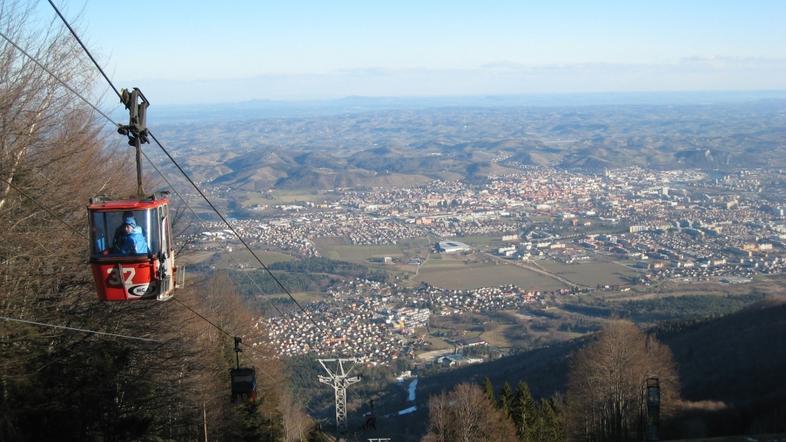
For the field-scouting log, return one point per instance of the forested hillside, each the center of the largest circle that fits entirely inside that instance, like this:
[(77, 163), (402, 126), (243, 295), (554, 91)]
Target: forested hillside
[(729, 368), (74, 368)]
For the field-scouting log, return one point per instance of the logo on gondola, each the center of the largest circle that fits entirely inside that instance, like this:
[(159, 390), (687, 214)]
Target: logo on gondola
[(138, 290)]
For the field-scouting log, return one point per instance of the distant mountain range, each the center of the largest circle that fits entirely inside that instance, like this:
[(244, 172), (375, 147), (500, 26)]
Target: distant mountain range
[(259, 109), (389, 147)]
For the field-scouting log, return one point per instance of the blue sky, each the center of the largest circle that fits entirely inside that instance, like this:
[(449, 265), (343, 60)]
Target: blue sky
[(207, 51)]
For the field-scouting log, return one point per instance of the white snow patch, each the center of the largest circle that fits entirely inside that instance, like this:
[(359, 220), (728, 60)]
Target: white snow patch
[(411, 390)]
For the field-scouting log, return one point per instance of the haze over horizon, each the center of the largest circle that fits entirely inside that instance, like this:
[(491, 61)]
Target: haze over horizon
[(184, 52)]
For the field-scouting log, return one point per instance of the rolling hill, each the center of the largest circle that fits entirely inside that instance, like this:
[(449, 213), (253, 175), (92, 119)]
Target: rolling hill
[(365, 148)]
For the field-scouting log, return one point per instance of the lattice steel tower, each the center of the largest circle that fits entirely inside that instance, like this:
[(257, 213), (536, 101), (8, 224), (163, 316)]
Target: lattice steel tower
[(338, 378)]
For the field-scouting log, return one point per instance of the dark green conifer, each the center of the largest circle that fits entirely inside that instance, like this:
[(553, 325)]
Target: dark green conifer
[(488, 388), (506, 399), (549, 425), (524, 412)]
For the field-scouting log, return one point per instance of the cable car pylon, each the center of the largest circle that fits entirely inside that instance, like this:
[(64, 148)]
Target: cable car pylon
[(339, 379)]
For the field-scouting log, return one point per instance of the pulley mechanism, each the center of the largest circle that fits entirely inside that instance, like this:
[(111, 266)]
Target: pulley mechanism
[(136, 129), (238, 340)]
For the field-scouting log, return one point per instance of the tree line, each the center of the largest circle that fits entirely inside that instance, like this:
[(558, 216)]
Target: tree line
[(472, 412), (332, 267), (605, 399)]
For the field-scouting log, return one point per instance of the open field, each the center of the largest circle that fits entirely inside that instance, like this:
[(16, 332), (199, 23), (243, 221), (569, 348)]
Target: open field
[(253, 199), (289, 196), (223, 260), (248, 199), (590, 273), (359, 254), (434, 354), (302, 297), (437, 343), (241, 256), (335, 249), (769, 285), (496, 335), (439, 261), (479, 241), (192, 257), (456, 274), (516, 330)]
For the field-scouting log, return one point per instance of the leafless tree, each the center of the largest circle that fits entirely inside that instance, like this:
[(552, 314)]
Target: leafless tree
[(297, 424), (54, 155), (51, 156), (606, 389), (466, 414)]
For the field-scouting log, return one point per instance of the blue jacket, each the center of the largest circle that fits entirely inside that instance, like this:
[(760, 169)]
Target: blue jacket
[(133, 243)]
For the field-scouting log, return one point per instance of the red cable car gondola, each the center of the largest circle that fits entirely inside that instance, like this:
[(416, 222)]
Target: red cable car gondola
[(131, 251)]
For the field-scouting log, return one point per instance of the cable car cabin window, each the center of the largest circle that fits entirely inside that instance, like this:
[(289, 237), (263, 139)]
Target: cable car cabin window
[(125, 233)]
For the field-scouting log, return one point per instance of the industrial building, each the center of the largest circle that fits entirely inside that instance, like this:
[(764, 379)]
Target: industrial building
[(452, 247)]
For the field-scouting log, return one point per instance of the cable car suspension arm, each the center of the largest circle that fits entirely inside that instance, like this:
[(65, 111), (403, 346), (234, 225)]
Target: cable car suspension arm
[(136, 129)]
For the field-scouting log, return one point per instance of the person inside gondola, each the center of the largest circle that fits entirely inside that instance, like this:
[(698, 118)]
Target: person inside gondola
[(129, 238)]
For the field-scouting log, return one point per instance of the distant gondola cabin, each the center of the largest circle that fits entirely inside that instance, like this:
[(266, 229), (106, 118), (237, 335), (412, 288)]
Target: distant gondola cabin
[(244, 384), (131, 250)]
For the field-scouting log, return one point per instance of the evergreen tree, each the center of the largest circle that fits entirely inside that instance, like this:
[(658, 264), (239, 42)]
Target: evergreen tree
[(549, 425), (506, 399), (248, 424), (524, 412), (488, 388), (317, 435)]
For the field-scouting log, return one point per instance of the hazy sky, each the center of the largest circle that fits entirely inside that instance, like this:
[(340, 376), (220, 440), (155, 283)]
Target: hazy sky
[(208, 51)]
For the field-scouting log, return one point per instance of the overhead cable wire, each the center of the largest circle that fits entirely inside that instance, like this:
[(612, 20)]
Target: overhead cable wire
[(82, 330), (65, 85), (44, 208), (68, 25), (100, 112), (84, 236), (218, 327), (234, 231), (182, 171), (196, 215), (33, 200)]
